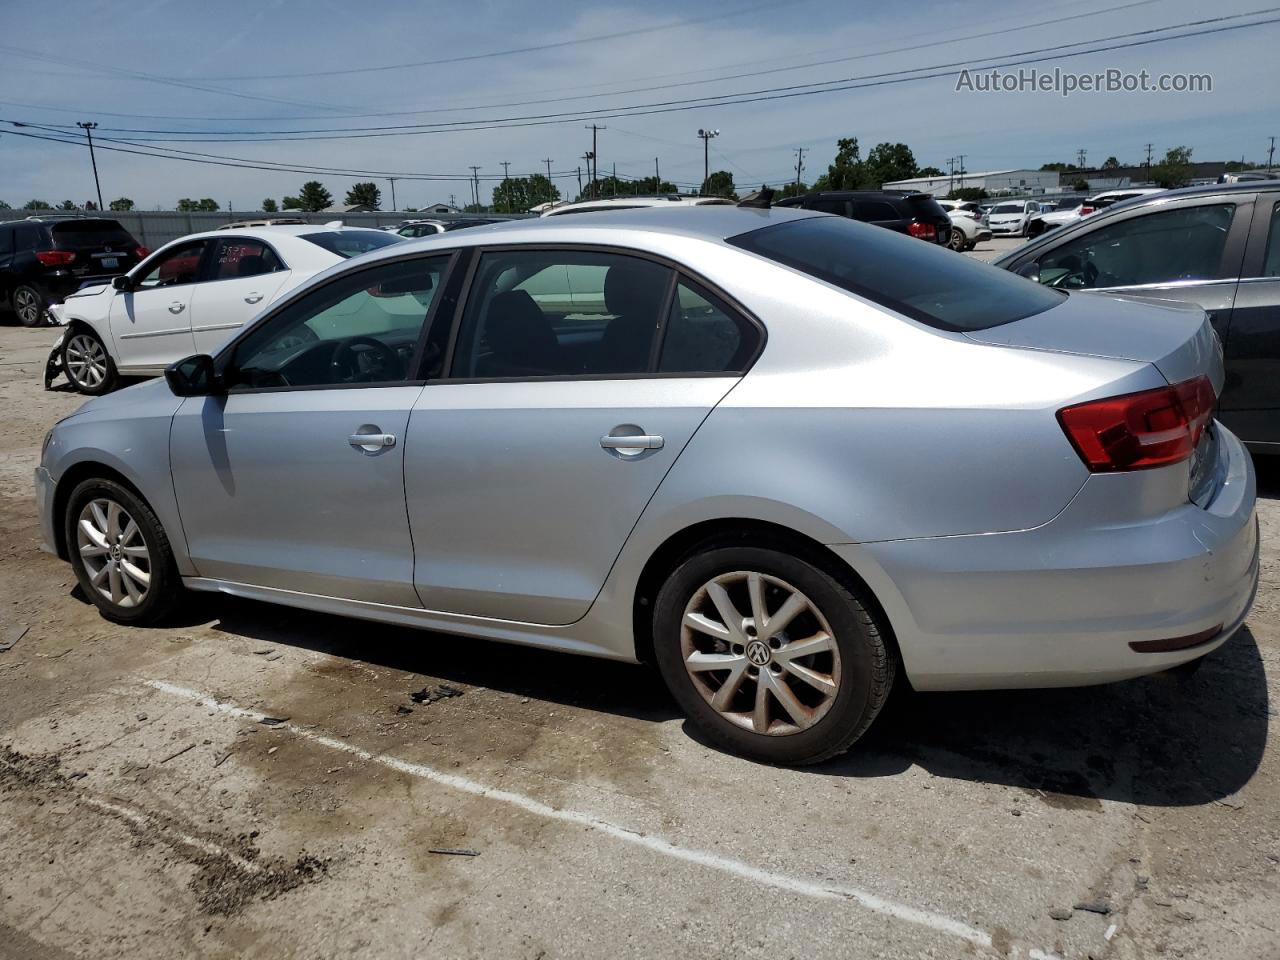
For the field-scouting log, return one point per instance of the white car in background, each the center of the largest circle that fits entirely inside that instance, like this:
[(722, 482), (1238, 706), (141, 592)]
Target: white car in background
[(968, 224), (1066, 215), (1010, 218), (190, 296)]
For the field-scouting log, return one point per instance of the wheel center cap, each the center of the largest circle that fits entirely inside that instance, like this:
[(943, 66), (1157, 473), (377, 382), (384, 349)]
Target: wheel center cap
[(116, 551), (758, 652)]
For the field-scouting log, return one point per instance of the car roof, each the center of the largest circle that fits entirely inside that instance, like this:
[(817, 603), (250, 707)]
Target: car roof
[(612, 227), (662, 200), (270, 232)]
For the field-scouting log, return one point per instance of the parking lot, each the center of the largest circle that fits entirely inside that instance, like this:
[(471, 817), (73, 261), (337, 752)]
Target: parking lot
[(255, 781)]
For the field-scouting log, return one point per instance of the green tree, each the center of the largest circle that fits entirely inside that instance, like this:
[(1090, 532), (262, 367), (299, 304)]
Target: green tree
[(652, 185), (519, 194), (1175, 169), (888, 162), (203, 205), (67, 205), (718, 184), (365, 195), (1059, 167), (791, 189), (269, 206), (120, 204), (1110, 163), (291, 203), (929, 172), (37, 205), (967, 193), (1079, 184), (4, 206), (845, 172), (312, 197), (475, 208)]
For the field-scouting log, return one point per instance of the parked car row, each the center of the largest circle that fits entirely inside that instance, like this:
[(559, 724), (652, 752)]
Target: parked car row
[(781, 454)]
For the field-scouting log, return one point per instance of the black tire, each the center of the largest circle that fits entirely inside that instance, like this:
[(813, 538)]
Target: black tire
[(868, 664), (958, 240), (29, 305), (165, 587), (76, 344)]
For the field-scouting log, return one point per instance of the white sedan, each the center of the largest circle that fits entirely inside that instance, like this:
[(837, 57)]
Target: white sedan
[(189, 297)]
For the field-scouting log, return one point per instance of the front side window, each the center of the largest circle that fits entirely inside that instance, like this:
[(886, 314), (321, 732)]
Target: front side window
[(362, 328), (558, 313), (1166, 246), (704, 335), (235, 258), (179, 266)]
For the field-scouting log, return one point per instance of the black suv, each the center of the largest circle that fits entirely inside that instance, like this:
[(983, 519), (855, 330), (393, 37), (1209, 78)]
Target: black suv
[(916, 214), (44, 260)]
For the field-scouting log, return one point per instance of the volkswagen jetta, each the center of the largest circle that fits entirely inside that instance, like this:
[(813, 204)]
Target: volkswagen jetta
[(782, 454)]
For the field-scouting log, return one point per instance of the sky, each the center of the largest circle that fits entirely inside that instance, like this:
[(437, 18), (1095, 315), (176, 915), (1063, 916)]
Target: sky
[(229, 71)]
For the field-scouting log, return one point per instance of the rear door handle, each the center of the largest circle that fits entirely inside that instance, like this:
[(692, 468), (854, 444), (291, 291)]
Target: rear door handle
[(372, 442), (641, 442), (253, 298), (177, 306)]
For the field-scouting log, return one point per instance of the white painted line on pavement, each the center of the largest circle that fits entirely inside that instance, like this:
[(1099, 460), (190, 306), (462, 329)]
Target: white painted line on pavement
[(779, 881), (148, 822)]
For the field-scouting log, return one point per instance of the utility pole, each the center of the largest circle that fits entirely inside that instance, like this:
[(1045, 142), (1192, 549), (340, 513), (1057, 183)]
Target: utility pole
[(799, 152), (706, 136), (1080, 158), (547, 161), (615, 179), (394, 208), (593, 165), (1271, 152), (475, 185), (506, 168), (88, 128), (960, 160), (579, 180), (951, 174), (1148, 161), (657, 177), (588, 157)]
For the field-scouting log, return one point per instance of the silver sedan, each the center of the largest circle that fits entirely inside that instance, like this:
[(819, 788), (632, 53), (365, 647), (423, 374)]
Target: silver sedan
[(783, 455)]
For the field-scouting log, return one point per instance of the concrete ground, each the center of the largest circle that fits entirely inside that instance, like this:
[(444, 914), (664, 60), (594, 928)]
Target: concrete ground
[(147, 809)]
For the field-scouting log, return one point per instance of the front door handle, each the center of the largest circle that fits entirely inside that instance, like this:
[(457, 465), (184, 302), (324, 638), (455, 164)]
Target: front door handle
[(177, 306), (641, 442), (372, 442), (253, 298)]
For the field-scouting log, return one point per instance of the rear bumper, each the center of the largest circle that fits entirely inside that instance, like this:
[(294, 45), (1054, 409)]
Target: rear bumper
[(1059, 605)]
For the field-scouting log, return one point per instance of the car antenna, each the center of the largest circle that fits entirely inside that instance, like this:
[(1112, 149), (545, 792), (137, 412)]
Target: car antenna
[(762, 199)]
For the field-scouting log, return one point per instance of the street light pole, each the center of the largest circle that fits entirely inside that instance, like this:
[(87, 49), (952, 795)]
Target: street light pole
[(88, 129), (706, 136)]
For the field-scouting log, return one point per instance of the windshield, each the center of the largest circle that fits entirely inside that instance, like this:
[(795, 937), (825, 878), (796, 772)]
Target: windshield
[(1008, 208), (352, 243), (922, 281)]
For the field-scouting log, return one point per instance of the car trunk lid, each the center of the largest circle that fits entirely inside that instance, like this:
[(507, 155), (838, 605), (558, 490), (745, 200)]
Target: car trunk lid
[(100, 247), (1176, 338)]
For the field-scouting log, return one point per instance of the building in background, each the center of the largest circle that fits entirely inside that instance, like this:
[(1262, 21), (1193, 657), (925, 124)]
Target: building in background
[(995, 182)]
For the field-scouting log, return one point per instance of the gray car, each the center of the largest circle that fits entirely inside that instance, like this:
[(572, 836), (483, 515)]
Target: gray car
[(784, 455)]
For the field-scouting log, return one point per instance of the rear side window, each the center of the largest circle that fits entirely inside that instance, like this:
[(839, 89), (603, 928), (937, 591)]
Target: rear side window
[(1271, 262), (237, 258), (6, 239), (872, 210), (922, 281), (73, 234), (705, 335), (352, 243), (30, 236)]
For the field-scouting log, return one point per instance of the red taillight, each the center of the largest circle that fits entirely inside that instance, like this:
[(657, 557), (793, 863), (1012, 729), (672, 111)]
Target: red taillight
[(142, 253), (1085, 211), (56, 258), (923, 231), (1140, 430)]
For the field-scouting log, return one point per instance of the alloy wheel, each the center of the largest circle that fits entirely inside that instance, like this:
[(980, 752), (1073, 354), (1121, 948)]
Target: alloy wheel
[(114, 552), (26, 303), (86, 360), (773, 669)]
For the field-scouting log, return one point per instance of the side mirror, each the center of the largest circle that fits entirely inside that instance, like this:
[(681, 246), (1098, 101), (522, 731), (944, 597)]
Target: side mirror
[(193, 377), (122, 283), (1030, 270)]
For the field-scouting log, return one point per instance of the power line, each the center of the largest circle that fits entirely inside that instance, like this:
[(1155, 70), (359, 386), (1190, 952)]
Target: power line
[(704, 80), (747, 96)]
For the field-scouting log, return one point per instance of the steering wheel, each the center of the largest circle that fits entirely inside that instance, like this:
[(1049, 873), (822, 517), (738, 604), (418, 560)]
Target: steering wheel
[(364, 360)]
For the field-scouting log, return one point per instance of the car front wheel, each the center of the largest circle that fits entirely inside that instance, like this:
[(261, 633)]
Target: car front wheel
[(86, 363), (770, 656), (29, 304), (120, 554)]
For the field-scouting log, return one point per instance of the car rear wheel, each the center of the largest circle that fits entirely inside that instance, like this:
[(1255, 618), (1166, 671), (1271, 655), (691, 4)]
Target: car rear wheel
[(86, 363), (769, 655), (28, 303), (958, 240), (120, 554)]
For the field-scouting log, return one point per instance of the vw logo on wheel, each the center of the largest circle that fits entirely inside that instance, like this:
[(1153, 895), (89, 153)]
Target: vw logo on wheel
[(758, 652)]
